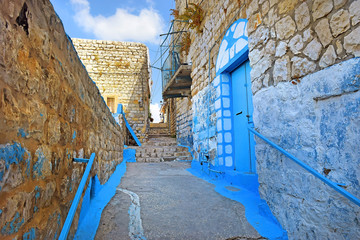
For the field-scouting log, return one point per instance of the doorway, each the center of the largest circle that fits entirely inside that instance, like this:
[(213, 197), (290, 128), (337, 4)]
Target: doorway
[(242, 118)]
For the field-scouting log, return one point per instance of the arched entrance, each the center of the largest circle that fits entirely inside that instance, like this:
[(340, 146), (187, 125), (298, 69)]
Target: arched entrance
[(234, 101)]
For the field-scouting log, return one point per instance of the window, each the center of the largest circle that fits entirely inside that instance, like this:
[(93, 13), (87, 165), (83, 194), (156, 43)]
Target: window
[(110, 101)]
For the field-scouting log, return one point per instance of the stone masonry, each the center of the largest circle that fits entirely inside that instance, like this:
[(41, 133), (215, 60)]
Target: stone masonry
[(305, 81), (50, 112), (121, 72)]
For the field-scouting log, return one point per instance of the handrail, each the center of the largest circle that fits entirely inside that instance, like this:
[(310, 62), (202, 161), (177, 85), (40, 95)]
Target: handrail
[(119, 111), (309, 169), (71, 213)]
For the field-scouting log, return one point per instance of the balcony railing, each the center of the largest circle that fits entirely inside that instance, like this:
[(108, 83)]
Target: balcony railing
[(176, 80)]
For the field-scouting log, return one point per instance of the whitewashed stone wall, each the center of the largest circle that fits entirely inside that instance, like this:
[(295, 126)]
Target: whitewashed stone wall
[(120, 71), (302, 102), (318, 122)]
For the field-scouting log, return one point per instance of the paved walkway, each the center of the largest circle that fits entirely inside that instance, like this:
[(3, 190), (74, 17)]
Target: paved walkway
[(165, 201)]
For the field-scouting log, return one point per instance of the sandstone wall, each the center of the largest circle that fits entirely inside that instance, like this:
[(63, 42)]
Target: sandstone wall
[(50, 112), (121, 72), (305, 82), (184, 121)]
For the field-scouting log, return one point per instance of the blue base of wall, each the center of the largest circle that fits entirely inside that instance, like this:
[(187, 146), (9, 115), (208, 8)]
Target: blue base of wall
[(96, 198), (257, 211)]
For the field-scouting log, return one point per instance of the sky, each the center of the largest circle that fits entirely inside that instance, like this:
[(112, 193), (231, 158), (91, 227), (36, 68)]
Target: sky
[(121, 20)]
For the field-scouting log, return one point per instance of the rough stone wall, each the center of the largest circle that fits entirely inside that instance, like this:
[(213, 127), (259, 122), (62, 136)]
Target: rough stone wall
[(291, 39), (50, 112), (121, 72), (309, 108), (184, 121), (300, 102)]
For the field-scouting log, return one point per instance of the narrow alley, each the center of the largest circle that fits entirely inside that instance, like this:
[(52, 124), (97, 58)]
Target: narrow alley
[(174, 205), (179, 120)]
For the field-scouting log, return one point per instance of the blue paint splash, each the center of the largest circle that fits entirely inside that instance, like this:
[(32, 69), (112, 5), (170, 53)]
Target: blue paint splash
[(38, 166), (74, 135), (92, 207), (257, 211), (13, 154), (13, 226), (22, 133), (31, 235)]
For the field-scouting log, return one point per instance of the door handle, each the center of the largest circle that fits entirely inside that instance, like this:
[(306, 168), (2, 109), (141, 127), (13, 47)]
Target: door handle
[(239, 113)]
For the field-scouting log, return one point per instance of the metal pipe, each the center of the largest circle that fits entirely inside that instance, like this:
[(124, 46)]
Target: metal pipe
[(309, 169), (71, 214)]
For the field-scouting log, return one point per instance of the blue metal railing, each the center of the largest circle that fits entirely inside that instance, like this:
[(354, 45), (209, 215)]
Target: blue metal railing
[(309, 169), (120, 111), (72, 211)]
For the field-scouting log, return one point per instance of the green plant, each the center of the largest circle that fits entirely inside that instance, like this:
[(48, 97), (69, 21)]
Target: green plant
[(186, 43), (194, 15)]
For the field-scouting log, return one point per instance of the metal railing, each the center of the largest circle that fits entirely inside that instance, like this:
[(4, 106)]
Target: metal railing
[(74, 205), (170, 59), (330, 183)]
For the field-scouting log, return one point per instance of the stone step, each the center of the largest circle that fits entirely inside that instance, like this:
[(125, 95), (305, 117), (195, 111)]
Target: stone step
[(163, 155), (163, 159), (159, 135), (159, 131)]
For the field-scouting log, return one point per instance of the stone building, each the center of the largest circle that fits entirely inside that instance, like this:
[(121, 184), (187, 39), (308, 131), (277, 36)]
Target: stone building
[(50, 112), (290, 69), (121, 72)]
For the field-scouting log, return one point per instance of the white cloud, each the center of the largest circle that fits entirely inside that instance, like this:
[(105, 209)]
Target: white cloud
[(155, 112), (122, 26)]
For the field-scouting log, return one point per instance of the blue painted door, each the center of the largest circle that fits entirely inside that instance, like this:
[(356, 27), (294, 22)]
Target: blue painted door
[(242, 118)]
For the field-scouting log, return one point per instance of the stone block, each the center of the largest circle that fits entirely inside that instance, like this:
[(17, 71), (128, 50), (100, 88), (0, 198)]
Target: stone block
[(340, 22), (320, 8), (302, 16), (322, 29), (282, 70), (296, 44), (328, 57), (301, 67), (354, 10), (285, 28), (286, 6), (313, 49), (352, 42)]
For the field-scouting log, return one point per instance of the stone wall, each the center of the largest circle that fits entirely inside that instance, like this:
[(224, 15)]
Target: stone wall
[(301, 102), (121, 72), (50, 112), (184, 121)]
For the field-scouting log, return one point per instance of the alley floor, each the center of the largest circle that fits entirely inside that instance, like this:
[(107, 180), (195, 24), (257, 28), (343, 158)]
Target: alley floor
[(165, 201)]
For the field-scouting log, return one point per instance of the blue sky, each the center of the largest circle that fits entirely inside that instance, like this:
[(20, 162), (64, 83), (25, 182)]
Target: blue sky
[(120, 20)]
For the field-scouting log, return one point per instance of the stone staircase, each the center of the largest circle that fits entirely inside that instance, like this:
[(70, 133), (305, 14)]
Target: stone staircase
[(161, 146)]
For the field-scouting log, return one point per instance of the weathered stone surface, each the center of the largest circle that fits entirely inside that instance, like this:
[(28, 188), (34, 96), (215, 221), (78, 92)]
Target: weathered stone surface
[(308, 35), (296, 44), (355, 12), (313, 49), (281, 49), (261, 35), (301, 67), (286, 6), (285, 28), (321, 7), (252, 8), (328, 57), (272, 17), (340, 22), (352, 42), (322, 29), (302, 16), (265, 7), (282, 70), (339, 47), (339, 3), (260, 68)]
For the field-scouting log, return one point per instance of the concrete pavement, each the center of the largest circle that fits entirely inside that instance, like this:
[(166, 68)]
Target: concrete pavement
[(173, 204)]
